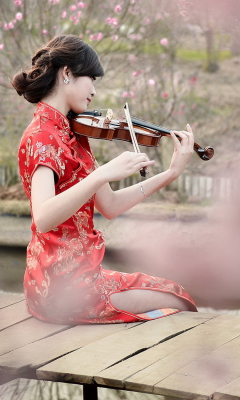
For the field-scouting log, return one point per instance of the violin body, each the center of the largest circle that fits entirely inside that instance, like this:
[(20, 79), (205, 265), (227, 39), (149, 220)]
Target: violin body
[(93, 125)]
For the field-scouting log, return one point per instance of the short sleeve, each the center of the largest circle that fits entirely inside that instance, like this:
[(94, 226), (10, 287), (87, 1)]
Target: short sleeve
[(40, 148)]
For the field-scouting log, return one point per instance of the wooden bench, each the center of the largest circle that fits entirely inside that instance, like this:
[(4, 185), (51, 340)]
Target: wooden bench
[(186, 355)]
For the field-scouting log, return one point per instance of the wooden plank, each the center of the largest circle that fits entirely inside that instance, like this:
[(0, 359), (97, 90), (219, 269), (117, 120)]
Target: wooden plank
[(201, 378), (127, 375), (205, 375), (26, 332), (6, 299), (82, 365), (44, 351), (155, 363), (228, 392), (13, 314), (168, 358)]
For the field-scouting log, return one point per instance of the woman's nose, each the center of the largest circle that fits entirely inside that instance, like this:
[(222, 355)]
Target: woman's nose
[(93, 93)]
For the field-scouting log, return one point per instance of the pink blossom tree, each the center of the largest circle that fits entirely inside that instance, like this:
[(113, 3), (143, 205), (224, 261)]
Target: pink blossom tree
[(137, 42)]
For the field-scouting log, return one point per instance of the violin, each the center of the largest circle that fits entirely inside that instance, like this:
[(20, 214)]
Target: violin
[(94, 125)]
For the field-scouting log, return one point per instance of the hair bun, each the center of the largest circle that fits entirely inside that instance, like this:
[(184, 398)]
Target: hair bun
[(40, 80), (39, 54)]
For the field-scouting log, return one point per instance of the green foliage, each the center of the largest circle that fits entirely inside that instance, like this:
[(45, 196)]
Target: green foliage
[(200, 55), (18, 208)]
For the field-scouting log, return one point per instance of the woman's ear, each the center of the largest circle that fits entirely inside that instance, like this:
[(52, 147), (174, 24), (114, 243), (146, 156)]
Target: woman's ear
[(65, 72)]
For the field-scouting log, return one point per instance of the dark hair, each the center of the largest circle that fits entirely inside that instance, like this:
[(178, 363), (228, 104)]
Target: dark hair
[(39, 80)]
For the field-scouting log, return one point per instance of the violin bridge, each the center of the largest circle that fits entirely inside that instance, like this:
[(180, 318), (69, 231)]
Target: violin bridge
[(108, 118), (109, 115)]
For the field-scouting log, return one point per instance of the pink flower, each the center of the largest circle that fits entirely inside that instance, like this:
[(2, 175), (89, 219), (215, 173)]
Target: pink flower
[(136, 36), (64, 14), (1, 46), (112, 21), (96, 36), (147, 21), (136, 73), (11, 25), (81, 4), (165, 95), (164, 41), (73, 7), (99, 35), (115, 38), (19, 16), (118, 8), (193, 80), (132, 95), (18, 2), (125, 94), (151, 82), (44, 32)]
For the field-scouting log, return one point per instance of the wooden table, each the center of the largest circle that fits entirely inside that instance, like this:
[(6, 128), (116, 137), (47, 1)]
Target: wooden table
[(186, 355)]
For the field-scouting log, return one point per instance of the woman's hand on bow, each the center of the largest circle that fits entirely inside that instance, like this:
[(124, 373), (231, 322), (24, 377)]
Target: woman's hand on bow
[(126, 164)]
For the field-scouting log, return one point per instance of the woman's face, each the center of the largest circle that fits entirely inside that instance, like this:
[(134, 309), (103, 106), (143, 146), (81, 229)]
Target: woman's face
[(79, 92)]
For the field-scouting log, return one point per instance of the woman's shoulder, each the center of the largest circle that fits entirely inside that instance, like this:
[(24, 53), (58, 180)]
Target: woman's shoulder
[(41, 130)]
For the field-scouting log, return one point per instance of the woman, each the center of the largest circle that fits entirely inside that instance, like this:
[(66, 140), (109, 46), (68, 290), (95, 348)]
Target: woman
[(64, 281)]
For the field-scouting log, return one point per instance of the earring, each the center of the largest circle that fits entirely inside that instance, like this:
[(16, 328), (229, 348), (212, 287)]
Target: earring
[(66, 80)]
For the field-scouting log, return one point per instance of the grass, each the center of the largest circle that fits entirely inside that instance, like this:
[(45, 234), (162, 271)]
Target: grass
[(19, 208), (201, 55), (164, 210)]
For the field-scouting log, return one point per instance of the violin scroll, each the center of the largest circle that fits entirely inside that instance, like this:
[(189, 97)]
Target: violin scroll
[(205, 154)]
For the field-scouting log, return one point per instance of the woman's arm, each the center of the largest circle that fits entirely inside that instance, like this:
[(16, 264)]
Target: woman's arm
[(50, 210), (111, 204)]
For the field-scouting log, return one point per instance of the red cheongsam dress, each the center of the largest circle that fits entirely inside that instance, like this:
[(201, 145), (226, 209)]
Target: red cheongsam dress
[(64, 280)]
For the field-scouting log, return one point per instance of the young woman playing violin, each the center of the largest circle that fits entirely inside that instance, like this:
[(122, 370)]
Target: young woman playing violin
[(64, 280)]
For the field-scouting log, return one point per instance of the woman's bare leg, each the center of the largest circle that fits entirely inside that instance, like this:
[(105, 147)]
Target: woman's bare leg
[(138, 301)]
